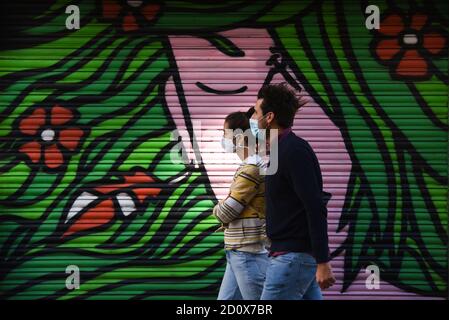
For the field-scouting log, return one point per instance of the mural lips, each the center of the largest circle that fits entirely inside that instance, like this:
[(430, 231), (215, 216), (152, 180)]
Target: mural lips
[(97, 206)]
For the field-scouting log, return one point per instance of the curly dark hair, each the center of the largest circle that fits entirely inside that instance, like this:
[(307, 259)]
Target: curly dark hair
[(282, 101)]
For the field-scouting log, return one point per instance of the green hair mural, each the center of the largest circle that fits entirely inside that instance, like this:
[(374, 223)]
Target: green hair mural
[(82, 184), (397, 214)]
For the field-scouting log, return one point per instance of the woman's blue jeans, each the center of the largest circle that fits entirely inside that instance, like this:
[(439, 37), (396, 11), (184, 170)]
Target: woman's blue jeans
[(244, 276)]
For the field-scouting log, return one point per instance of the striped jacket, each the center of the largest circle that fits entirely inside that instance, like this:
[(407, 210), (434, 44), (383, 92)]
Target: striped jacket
[(242, 212)]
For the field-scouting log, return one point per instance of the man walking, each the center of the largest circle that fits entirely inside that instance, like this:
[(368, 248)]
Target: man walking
[(296, 214)]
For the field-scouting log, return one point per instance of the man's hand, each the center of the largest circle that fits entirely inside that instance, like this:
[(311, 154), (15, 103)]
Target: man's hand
[(324, 275)]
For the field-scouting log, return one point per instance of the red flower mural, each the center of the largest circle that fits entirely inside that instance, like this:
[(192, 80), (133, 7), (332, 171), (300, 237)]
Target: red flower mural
[(52, 135), (408, 44), (133, 14)]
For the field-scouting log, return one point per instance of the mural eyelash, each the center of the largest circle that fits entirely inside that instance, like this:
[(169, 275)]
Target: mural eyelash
[(208, 89)]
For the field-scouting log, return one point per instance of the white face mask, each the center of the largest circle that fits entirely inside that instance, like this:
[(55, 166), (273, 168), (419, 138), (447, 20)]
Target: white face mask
[(228, 145), (255, 130)]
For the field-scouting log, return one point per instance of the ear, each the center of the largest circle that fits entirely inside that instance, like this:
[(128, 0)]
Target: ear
[(270, 117)]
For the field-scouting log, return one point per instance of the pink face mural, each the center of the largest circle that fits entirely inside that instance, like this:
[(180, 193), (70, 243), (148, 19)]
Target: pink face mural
[(210, 96)]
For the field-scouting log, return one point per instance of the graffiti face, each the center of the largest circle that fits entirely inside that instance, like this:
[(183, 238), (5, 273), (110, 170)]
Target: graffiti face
[(242, 68), (87, 170), (240, 76)]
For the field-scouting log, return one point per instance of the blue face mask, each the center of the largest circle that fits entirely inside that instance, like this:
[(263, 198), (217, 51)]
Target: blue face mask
[(255, 130)]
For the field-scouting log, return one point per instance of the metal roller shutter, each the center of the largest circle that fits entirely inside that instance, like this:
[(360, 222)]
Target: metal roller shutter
[(88, 180)]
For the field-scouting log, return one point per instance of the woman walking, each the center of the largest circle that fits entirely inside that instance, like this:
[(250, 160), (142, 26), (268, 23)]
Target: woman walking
[(242, 215)]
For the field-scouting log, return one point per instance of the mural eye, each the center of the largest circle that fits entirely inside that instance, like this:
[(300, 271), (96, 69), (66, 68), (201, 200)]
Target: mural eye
[(208, 89)]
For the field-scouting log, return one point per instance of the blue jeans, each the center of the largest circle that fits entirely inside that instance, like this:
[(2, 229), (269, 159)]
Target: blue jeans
[(244, 276), (291, 276)]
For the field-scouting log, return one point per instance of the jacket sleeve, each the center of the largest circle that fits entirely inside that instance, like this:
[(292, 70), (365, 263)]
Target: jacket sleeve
[(244, 187), (303, 176)]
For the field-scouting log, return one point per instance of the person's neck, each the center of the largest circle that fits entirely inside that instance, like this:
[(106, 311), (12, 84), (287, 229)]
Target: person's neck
[(280, 131)]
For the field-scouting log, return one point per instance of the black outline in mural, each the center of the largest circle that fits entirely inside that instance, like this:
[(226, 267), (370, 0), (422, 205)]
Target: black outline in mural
[(52, 246), (376, 241)]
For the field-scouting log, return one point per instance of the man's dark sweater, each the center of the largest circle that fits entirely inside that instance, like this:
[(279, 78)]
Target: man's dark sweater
[(296, 215)]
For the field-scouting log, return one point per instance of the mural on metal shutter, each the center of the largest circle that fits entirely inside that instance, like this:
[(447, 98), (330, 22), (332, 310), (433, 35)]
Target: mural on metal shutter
[(87, 174)]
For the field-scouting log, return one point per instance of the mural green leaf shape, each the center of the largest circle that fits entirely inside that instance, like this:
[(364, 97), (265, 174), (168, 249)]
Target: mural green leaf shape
[(395, 218), (170, 229)]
